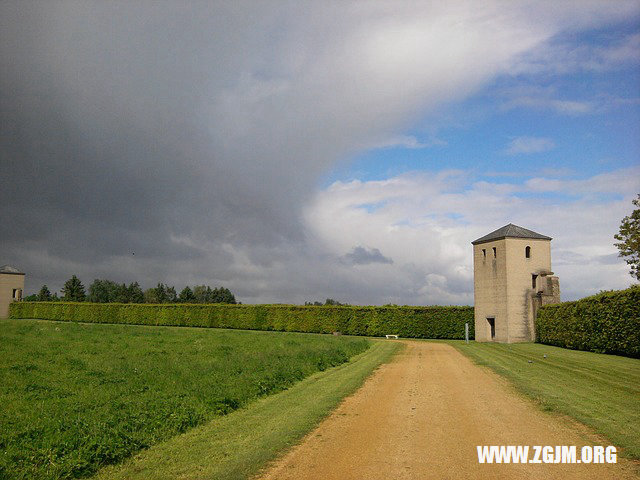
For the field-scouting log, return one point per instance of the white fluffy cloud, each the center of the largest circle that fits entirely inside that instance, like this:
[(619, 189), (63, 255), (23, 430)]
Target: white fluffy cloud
[(525, 145), (426, 223)]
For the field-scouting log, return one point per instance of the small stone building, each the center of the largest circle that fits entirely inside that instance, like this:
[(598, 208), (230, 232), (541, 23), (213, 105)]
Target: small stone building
[(11, 288), (512, 278)]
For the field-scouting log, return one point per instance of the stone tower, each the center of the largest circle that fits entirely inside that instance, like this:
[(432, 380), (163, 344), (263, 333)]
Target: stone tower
[(11, 288), (512, 277)]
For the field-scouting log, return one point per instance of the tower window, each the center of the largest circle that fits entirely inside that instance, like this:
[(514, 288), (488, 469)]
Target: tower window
[(494, 252), (484, 253), (534, 277), (527, 251)]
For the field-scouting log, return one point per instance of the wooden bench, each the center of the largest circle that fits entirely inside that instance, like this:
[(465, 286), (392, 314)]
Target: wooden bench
[(392, 336)]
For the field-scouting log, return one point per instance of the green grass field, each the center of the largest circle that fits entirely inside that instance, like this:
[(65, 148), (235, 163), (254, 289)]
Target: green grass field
[(75, 397), (601, 391), (239, 445)]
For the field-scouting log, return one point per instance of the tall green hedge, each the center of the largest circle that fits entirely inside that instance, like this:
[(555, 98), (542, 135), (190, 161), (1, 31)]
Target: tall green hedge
[(412, 322), (607, 323)]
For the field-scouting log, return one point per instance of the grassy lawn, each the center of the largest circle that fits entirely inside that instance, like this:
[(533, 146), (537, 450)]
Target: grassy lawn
[(75, 397), (601, 391), (237, 446)]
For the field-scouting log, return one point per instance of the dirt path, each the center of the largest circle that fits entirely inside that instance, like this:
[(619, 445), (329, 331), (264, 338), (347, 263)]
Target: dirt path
[(422, 416)]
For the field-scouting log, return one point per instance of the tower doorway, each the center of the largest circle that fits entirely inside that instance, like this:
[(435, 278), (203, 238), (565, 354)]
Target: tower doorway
[(492, 327)]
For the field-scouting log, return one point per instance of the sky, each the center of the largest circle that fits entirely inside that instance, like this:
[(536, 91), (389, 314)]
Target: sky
[(297, 151)]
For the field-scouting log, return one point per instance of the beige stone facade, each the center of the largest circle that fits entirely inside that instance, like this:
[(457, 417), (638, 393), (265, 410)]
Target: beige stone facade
[(11, 288), (512, 278)]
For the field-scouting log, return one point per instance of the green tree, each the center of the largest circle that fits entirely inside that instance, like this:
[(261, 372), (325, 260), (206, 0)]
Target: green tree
[(161, 293), (172, 297), (205, 294), (44, 295), (135, 294), (150, 296), (328, 302), (107, 291), (103, 291), (331, 301), (222, 295), (201, 293), (73, 290), (121, 293), (629, 240), (186, 295)]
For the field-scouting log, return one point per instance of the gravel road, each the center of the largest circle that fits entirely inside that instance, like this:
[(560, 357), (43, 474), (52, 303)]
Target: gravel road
[(422, 416)]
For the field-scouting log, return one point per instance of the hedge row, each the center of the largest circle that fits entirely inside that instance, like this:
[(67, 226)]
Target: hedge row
[(607, 323), (411, 322)]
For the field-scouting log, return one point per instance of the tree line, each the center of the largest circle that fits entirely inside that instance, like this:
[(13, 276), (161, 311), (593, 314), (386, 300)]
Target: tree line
[(328, 301), (108, 291)]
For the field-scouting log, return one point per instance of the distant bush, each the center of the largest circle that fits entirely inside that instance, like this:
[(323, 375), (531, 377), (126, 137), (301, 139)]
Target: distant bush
[(410, 322), (607, 323)]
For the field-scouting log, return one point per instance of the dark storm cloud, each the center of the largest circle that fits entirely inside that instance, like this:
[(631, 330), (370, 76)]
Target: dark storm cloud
[(107, 113), (365, 256)]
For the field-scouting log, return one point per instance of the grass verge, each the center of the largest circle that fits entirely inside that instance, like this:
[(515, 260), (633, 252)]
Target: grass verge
[(76, 397), (240, 444), (601, 391)]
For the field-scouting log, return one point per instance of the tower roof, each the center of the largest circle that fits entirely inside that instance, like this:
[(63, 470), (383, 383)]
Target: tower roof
[(10, 270), (510, 231)]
